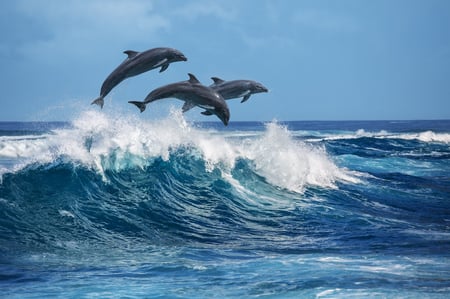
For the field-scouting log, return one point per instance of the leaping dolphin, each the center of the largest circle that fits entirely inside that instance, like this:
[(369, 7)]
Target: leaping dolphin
[(237, 88), (137, 63), (193, 93)]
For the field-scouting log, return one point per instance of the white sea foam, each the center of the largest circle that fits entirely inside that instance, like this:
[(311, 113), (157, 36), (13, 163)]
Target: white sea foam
[(426, 136), (291, 164), (360, 133), (65, 213), (103, 141)]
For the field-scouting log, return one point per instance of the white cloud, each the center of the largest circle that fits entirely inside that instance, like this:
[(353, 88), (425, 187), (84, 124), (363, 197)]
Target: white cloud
[(222, 10), (325, 21), (259, 41), (76, 27)]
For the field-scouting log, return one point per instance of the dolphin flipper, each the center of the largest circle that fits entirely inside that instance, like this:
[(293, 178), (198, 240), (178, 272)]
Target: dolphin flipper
[(98, 101), (163, 64), (188, 105), (207, 112), (245, 98), (140, 105), (164, 67)]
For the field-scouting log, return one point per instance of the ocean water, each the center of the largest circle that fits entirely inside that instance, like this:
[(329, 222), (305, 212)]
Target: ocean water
[(114, 206)]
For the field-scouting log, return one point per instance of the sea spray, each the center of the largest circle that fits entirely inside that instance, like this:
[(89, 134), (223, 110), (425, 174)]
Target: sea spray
[(288, 163)]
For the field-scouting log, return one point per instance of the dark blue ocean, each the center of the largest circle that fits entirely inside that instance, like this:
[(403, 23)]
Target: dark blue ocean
[(114, 206)]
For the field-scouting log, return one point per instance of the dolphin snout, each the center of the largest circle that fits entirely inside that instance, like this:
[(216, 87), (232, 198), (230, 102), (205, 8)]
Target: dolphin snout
[(225, 117), (262, 88)]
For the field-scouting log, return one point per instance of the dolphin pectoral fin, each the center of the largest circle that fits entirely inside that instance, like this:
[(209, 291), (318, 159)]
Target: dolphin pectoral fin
[(164, 67), (160, 63), (193, 79), (245, 98), (140, 105), (188, 105), (131, 53), (98, 101), (207, 112)]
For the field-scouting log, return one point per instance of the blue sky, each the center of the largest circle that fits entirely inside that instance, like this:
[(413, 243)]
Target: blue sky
[(321, 60)]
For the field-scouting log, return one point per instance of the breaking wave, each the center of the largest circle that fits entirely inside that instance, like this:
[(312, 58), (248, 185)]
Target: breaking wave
[(116, 143)]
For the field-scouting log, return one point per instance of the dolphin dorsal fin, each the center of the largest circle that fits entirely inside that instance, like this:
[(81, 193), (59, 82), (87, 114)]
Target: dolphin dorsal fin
[(217, 80), (193, 79), (131, 53)]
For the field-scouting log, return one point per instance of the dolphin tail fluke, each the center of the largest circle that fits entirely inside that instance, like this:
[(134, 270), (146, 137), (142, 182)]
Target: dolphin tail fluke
[(140, 105), (98, 101)]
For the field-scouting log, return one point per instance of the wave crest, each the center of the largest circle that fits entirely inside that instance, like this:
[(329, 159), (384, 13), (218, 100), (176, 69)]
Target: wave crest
[(291, 164)]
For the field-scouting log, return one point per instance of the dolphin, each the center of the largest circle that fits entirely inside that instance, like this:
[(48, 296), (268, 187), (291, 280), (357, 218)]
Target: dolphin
[(193, 93), (137, 63), (237, 88)]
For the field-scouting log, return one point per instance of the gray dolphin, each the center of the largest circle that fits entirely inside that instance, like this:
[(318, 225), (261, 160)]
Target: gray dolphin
[(193, 93), (237, 88), (137, 63)]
